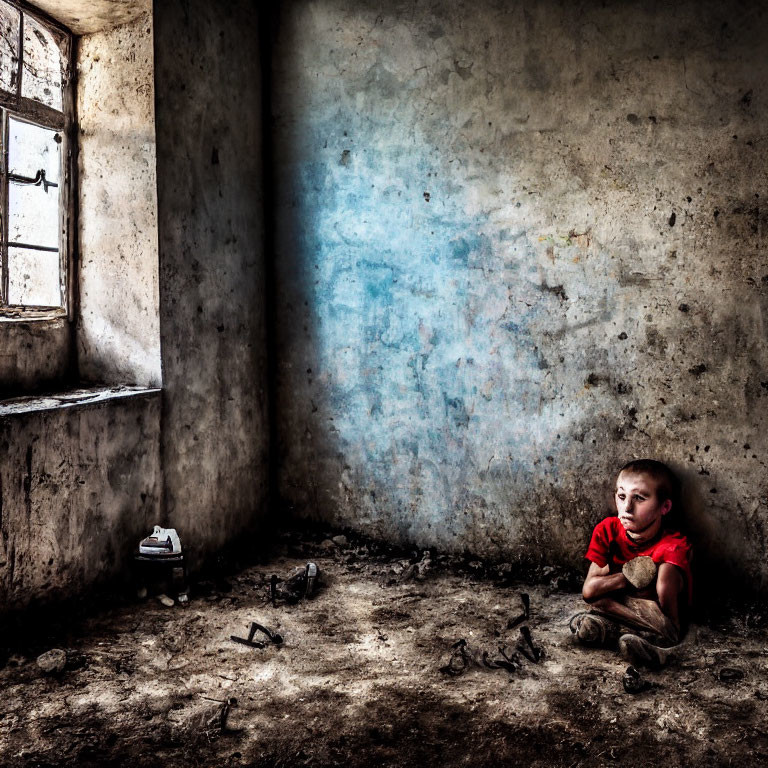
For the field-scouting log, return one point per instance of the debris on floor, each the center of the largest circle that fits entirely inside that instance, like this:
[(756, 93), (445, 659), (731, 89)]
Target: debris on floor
[(52, 662), (730, 675), (527, 648), (463, 656), (273, 637), (634, 682), (355, 681), (159, 564), (525, 603), (302, 582), (405, 571), (217, 723)]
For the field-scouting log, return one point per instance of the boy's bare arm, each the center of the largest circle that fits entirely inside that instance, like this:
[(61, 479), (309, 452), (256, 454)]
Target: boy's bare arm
[(669, 585), (600, 581)]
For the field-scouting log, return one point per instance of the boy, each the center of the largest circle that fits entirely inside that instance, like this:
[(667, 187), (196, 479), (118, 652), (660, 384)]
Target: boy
[(640, 574)]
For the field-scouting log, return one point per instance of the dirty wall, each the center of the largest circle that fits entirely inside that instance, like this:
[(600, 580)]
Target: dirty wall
[(210, 225), (518, 244), (80, 479), (84, 478), (118, 331), (79, 485)]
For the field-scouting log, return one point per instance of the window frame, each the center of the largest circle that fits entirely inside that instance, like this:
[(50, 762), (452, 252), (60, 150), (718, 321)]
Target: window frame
[(31, 111)]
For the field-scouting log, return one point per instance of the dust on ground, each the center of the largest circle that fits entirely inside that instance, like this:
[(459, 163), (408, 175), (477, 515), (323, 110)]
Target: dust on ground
[(357, 680)]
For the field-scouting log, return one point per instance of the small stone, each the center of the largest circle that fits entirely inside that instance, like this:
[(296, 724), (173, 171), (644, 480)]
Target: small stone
[(141, 593), (424, 565), (640, 571), (327, 544), (728, 674), (168, 602), (340, 541), (633, 681), (52, 662)]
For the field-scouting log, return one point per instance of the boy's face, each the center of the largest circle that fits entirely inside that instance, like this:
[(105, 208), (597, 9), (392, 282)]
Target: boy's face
[(640, 510)]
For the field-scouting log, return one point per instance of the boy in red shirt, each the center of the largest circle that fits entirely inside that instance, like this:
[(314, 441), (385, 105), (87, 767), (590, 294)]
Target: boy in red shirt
[(639, 579)]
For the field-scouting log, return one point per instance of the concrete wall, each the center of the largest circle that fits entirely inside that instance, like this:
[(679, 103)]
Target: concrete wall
[(212, 292), (33, 355), (119, 328), (79, 487), (518, 245), (83, 480)]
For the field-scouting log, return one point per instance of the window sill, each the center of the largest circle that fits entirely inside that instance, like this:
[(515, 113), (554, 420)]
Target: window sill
[(76, 398), (25, 314)]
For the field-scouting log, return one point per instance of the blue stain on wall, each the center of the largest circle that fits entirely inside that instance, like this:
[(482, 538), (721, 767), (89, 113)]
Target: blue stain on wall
[(416, 313), (411, 343), (462, 250)]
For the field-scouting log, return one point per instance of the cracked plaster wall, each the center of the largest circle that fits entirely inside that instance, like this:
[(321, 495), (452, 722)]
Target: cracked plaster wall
[(519, 244)]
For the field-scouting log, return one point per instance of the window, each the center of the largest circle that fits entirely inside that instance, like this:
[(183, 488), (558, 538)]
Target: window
[(36, 118)]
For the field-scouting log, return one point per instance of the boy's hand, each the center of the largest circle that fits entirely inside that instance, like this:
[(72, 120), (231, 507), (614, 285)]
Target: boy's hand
[(600, 581), (640, 571)]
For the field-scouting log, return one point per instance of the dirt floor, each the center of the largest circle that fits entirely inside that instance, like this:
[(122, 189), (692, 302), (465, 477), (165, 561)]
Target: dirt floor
[(357, 680)]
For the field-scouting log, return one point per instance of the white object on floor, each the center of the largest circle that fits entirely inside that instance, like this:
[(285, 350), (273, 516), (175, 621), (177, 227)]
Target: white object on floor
[(161, 542)]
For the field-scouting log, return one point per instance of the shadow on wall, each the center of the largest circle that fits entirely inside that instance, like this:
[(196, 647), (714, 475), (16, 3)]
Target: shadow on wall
[(727, 540)]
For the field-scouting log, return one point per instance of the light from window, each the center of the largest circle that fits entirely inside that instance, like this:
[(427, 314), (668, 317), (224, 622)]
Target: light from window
[(35, 169)]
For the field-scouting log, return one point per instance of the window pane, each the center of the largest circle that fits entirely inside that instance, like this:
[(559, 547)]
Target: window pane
[(33, 212), (41, 78), (33, 278), (9, 47)]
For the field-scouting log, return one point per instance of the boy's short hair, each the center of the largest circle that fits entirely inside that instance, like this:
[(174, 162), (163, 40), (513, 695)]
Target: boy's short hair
[(667, 484)]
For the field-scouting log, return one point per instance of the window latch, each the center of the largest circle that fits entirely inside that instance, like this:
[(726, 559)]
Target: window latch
[(37, 180)]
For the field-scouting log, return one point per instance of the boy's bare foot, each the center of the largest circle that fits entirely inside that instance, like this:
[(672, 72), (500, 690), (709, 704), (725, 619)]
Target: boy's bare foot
[(594, 630), (640, 652)]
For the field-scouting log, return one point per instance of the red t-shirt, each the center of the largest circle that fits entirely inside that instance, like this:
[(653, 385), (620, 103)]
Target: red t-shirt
[(610, 545)]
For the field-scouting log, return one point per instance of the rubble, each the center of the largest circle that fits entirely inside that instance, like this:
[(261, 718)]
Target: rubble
[(633, 681), (301, 582), (52, 662), (362, 647)]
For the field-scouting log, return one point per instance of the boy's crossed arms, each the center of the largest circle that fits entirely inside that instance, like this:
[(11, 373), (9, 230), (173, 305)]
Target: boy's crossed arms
[(639, 578)]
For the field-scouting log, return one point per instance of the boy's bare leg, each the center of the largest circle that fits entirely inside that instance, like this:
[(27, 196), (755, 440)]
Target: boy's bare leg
[(639, 613), (660, 618)]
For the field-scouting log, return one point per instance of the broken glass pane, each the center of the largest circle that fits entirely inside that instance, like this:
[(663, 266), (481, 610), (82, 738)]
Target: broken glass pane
[(9, 47), (33, 278), (42, 74), (33, 200)]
